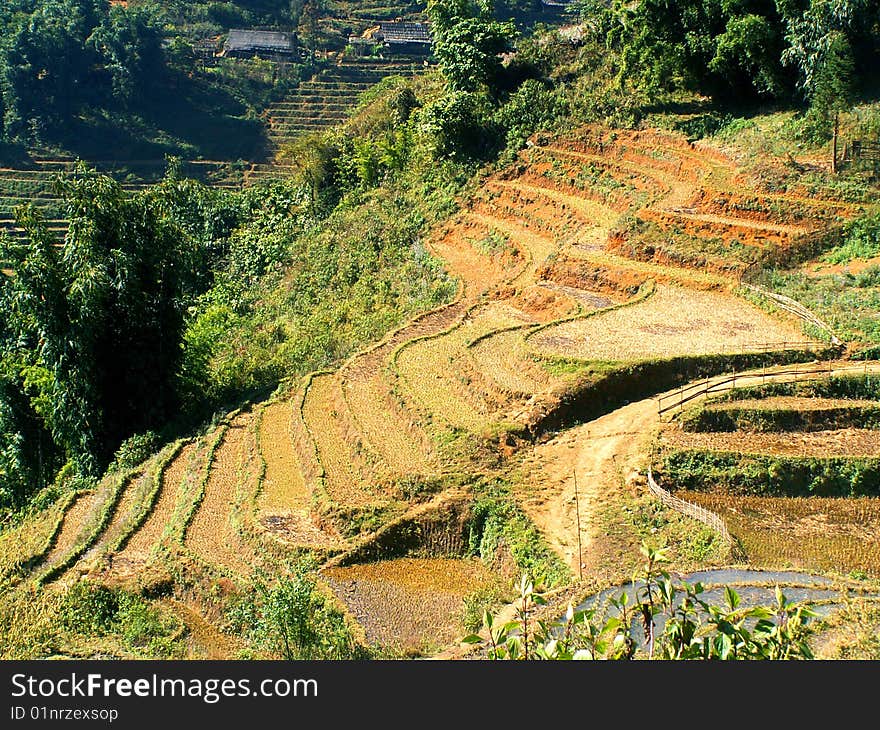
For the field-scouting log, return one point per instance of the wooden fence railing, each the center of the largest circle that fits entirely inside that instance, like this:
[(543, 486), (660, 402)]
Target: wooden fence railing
[(797, 309), (805, 372), (703, 388), (707, 517)]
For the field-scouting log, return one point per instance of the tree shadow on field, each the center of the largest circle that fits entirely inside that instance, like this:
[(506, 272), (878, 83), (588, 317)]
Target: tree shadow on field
[(209, 119), (187, 117)]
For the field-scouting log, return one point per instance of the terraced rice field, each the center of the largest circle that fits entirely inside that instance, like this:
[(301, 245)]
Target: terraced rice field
[(838, 442), (538, 212), (343, 480), (537, 249), (531, 247), (283, 487), (81, 514), (179, 481), (504, 358), (479, 272), (381, 417), (670, 273), (409, 603), (327, 99), (214, 534), (437, 374), (812, 533), (34, 184), (284, 502), (590, 211), (674, 321), (24, 544), (124, 516)]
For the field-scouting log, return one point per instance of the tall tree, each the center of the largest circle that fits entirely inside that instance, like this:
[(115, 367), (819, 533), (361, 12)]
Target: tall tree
[(94, 326), (834, 87), (468, 42)]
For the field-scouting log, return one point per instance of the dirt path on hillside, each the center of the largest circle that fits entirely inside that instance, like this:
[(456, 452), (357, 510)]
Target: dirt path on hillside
[(604, 453), (600, 453)]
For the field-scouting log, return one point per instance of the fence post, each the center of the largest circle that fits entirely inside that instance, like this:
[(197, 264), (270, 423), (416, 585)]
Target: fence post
[(578, 512)]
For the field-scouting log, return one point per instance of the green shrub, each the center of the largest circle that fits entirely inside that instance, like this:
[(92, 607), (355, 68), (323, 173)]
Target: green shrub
[(702, 125), (135, 450), (779, 419), (288, 618), (498, 523), (90, 608), (533, 107), (861, 387), (862, 241), (459, 126), (487, 598), (771, 476)]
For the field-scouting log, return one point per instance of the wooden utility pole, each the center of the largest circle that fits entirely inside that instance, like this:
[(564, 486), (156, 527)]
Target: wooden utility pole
[(834, 142), (577, 510)]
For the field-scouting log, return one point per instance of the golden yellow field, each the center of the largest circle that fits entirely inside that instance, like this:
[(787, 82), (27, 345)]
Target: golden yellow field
[(674, 321), (409, 603), (76, 521), (20, 544), (343, 481), (401, 444), (437, 374), (283, 508), (504, 359), (213, 535), (178, 479), (809, 533), (838, 442), (283, 488)]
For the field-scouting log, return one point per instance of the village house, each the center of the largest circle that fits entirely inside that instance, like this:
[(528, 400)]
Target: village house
[(269, 44), (393, 37)]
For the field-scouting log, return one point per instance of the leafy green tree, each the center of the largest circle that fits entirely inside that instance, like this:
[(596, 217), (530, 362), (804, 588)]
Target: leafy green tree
[(45, 65), (691, 628), (28, 455), (468, 42), (834, 88), (533, 106), (94, 326), (308, 26), (58, 57), (129, 43), (289, 618), (713, 47), (459, 126), (747, 54), (811, 28)]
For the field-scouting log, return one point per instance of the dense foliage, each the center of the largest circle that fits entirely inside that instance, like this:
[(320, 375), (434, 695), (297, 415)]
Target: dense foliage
[(59, 56), (90, 344), (756, 48), (661, 618), (291, 619)]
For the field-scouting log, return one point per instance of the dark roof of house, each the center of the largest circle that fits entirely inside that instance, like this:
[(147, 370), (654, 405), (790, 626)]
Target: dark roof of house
[(264, 40), (403, 31)]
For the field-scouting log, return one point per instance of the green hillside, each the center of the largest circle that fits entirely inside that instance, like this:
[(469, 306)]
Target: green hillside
[(372, 345)]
